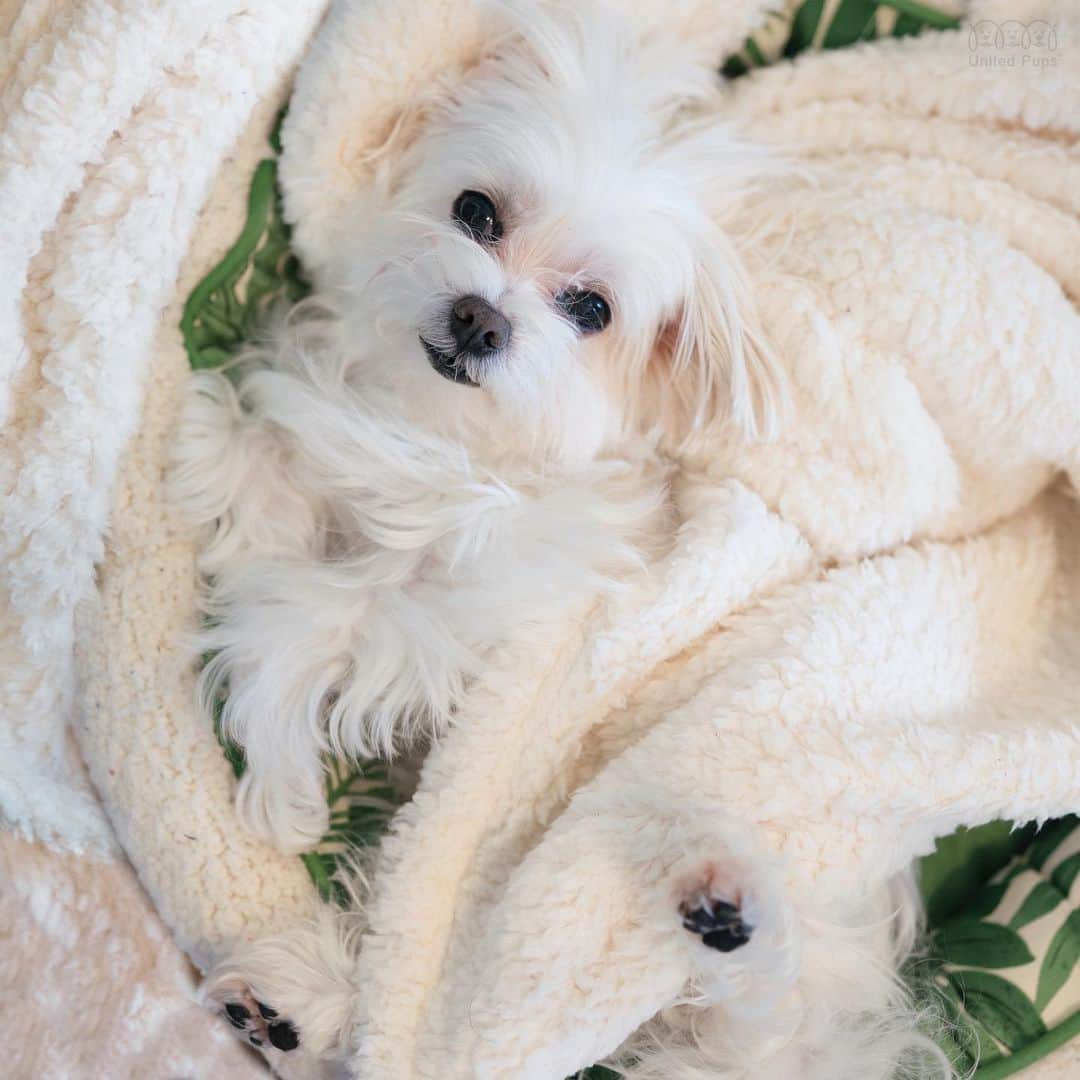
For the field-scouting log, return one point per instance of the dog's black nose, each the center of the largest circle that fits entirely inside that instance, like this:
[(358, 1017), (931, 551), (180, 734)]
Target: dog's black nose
[(477, 327)]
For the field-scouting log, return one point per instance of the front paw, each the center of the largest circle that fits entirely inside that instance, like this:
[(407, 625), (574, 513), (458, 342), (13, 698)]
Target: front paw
[(292, 817), (293, 995)]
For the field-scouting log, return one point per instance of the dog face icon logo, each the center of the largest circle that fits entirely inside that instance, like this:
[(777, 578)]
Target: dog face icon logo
[(1042, 35), (985, 35), (1015, 35)]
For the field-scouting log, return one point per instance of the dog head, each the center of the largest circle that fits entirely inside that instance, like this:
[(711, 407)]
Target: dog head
[(542, 264)]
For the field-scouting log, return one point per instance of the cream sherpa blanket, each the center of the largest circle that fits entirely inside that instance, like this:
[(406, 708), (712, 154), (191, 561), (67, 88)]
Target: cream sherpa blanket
[(119, 122), (868, 632)]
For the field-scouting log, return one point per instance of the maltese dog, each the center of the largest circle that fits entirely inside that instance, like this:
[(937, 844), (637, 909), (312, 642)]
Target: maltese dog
[(534, 307)]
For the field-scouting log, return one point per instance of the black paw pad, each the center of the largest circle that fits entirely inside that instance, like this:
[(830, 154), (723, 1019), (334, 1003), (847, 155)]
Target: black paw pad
[(283, 1036), (719, 923), (237, 1013), (267, 1012)]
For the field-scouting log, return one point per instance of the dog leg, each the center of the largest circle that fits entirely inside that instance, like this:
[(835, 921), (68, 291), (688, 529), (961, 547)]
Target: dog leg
[(293, 995), (280, 649), (289, 811)]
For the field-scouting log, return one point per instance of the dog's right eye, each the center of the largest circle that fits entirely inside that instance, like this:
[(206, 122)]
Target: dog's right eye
[(477, 215), (586, 309)]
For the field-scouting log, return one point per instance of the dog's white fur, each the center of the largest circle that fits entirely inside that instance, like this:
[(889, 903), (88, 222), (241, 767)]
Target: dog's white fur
[(376, 529), (364, 563)]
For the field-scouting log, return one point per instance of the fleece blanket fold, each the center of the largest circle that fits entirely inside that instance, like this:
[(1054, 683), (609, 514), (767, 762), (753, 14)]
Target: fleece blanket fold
[(866, 633), (128, 132)]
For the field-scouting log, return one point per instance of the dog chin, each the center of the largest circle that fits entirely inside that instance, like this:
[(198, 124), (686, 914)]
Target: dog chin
[(448, 365)]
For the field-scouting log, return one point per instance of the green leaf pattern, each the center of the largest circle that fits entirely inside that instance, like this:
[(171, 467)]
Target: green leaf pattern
[(1007, 969), (1042, 899), (1065, 873), (1049, 840), (1001, 1009), (831, 24), (972, 941), (1060, 960), (227, 307)]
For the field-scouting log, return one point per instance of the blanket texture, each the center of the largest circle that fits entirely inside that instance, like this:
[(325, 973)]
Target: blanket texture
[(866, 634), (120, 122)]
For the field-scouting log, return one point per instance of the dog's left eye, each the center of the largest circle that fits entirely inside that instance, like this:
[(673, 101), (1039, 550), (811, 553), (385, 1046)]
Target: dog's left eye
[(586, 309), (477, 215)]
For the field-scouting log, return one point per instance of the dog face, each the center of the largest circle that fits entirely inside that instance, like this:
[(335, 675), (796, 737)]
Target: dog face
[(1015, 34), (986, 34), (544, 271)]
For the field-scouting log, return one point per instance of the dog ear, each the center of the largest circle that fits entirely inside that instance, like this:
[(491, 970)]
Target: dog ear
[(385, 158), (713, 361)]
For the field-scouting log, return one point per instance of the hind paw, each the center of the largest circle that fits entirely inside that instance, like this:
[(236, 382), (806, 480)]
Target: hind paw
[(713, 910), (719, 923), (258, 1022)]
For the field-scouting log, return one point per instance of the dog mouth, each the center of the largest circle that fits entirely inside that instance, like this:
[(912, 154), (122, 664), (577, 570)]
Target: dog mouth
[(448, 365)]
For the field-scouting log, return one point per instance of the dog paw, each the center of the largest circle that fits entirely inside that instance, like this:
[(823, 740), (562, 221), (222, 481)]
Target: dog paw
[(260, 1023), (292, 817), (713, 910), (296, 991), (719, 923)]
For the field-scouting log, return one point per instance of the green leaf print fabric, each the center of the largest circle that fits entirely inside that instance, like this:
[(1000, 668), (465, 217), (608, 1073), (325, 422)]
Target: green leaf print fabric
[(1005, 964)]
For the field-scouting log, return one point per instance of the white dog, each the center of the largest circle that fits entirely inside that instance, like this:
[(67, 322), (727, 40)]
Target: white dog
[(465, 436), (468, 437)]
